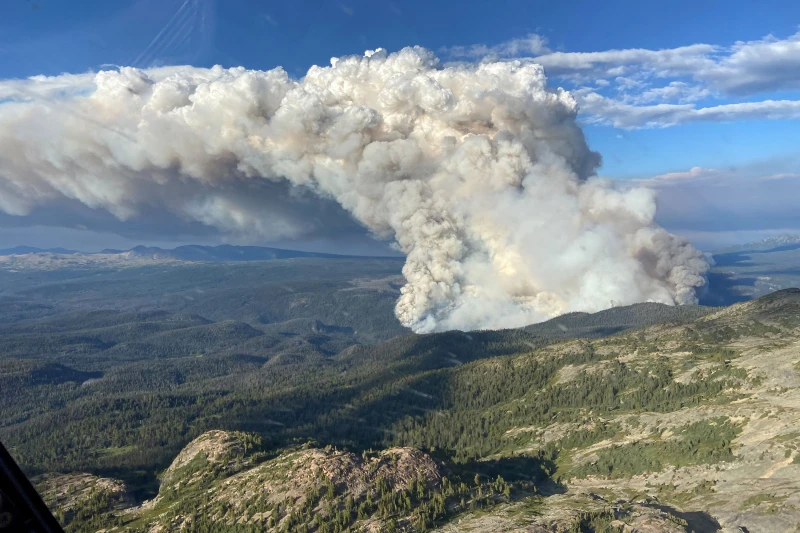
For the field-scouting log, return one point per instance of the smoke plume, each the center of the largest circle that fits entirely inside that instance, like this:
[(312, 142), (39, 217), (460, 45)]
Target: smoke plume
[(479, 173)]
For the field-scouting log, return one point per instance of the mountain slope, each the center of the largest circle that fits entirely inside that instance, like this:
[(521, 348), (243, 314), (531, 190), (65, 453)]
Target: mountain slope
[(680, 426), (222, 482)]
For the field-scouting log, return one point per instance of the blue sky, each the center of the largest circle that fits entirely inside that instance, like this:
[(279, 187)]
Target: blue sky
[(732, 149)]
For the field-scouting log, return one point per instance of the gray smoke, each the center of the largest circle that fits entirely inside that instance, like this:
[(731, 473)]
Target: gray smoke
[(479, 173)]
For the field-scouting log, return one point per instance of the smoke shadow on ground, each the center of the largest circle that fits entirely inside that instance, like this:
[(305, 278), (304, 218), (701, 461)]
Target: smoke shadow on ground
[(744, 256), (732, 259), (698, 521), (723, 289), (784, 248)]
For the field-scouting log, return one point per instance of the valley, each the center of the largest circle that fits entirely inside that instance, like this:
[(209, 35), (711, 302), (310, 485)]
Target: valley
[(247, 397)]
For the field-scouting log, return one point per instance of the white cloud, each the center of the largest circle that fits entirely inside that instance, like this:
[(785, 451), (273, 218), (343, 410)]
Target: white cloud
[(599, 109), (676, 91), (769, 64), (532, 44), (694, 174), (746, 68), (781, 176), (624, 83), (655, 88), (581, 66)]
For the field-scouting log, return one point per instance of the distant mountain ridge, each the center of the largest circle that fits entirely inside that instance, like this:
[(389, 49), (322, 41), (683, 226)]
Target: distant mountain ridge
[(22, 250), (225, 252), (221, 253), (779, 242)]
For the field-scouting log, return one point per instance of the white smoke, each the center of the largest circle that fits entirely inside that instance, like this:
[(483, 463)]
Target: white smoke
[(480, 174)]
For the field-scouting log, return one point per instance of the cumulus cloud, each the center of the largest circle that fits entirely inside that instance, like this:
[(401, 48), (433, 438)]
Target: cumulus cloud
[(653, 88), (479, 173)]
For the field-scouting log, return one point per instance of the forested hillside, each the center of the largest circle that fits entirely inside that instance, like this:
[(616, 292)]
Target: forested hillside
[(585, 421), (119, 391)]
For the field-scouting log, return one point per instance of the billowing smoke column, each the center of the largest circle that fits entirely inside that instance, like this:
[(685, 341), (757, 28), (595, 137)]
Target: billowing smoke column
[(480, 174)]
